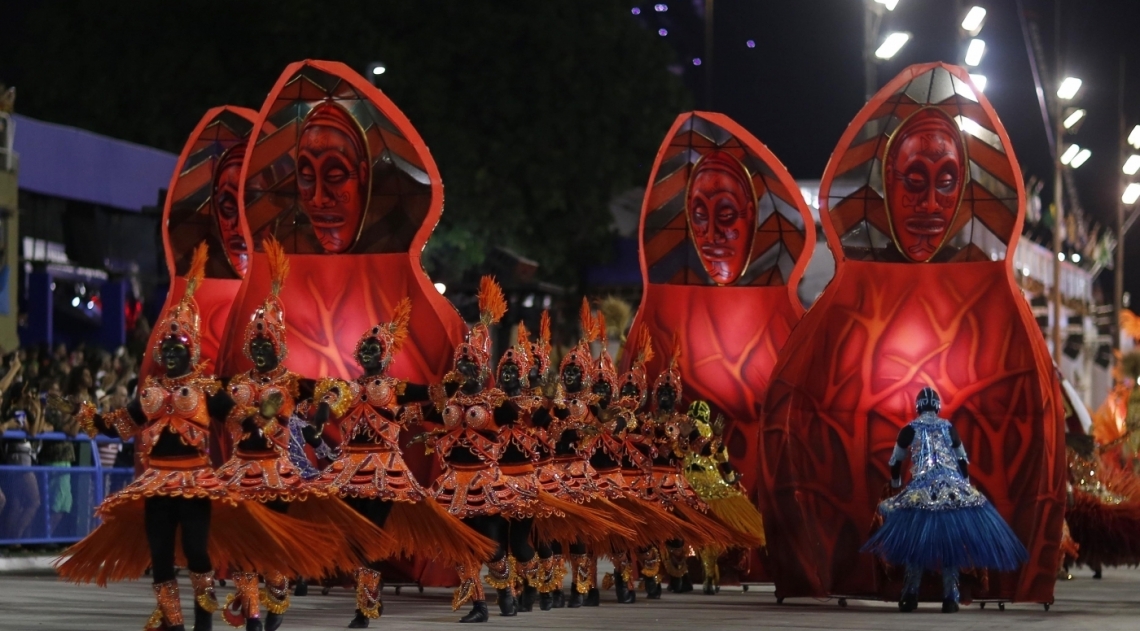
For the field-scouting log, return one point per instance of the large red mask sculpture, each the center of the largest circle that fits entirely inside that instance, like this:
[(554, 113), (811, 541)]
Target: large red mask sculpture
[(227, 181), (923, 295), (201, 205), (725, 239), (924, 174), (341, 178), (343, 181), (333, 176), (721, 207)]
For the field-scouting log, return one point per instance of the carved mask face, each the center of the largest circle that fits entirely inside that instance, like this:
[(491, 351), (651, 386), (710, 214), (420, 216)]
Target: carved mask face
[(225, 200), (264, 356), (605, 391), (370, 355), (572, 377), (332, 176), (666, 398), (924, 175), (175, 356), (509, 378), (721, 207)]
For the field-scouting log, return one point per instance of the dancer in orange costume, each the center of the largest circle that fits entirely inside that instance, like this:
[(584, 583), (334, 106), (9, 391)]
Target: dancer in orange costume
[(370, 472), (569, 476), (178, 494), (494, 492), (665, 428), (261, 470)]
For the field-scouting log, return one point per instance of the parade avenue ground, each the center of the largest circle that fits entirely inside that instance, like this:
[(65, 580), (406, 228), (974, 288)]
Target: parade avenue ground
[(41, 603)]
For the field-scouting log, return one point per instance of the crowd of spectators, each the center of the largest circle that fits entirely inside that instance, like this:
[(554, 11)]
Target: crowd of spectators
[(32, 379)]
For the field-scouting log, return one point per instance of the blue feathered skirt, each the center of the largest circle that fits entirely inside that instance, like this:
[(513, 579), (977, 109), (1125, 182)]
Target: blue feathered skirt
[(969, 537)]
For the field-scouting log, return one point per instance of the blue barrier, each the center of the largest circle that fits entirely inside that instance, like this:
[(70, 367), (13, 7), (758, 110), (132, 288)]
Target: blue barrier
[(55, 505)]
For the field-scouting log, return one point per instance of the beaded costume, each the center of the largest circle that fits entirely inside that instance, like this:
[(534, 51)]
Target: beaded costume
[(178, 490), (710, 475), (369, 471), (939, 521), (565, 426), (262, 470)]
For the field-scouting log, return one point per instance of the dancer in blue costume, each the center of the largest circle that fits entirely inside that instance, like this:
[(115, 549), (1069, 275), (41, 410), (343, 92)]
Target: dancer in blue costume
[(939, 522)]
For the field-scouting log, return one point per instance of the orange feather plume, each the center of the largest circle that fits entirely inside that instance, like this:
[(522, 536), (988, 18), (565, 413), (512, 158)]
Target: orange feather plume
[(492, 303), (644, 346), (600, 328), (197, 268), (586, 320), (544, 329), (676, 351), (401, 317), (523, 342), (278, 264)]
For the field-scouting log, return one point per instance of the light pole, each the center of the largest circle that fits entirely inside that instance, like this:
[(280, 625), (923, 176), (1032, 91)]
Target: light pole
[(875, 51), (374, 70), (1072, 156), (1126, 164)]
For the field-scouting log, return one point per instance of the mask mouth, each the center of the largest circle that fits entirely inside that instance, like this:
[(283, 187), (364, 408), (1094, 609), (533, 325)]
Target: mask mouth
[(327, 220), (236, 242), (717, 252), (927, 226)]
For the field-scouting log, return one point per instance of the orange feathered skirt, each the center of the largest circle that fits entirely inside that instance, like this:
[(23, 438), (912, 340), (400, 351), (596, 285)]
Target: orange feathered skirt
[(582, 512), (268, 476), (417, 524), (244, 536)]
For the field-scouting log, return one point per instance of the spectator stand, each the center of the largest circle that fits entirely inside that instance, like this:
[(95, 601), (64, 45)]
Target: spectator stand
[(45, 504)]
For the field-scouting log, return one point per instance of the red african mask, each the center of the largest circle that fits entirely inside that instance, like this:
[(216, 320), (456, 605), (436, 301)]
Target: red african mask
[(225, 199), (924, 175), (721, 205), (333, 176)]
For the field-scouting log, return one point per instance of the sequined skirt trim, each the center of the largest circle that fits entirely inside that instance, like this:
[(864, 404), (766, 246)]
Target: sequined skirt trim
[(373, 473), (572, 479), (264, 476), (189, 477), (474, 490)]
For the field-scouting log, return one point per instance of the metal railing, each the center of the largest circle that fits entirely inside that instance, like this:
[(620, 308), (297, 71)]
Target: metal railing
[(46, 504)]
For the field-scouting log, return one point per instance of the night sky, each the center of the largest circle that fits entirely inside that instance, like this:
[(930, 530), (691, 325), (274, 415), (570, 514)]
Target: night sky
[(803, 82)]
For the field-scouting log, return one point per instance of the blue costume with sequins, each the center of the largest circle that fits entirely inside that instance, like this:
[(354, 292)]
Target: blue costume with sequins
[(940, 522)]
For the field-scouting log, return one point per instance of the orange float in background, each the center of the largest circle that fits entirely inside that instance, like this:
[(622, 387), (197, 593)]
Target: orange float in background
[(923, 295), (353, 219), (725, 238), (202, 205), (341, 178)]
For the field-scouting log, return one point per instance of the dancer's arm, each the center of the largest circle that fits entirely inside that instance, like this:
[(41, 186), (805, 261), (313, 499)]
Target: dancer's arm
[(960, 451), (906, 437)]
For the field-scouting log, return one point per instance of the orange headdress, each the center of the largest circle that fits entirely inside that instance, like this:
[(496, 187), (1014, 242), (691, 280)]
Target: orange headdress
[(181, 321), (604, 369), (540, 349), (268, 320), (519, 354), (580, 354), (391, 335), (636, 374), (671, 376), (492, 307)]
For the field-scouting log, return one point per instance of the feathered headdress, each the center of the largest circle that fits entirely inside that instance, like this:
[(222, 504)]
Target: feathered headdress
[(636, 375), (580, 354), (268, 320), (492, 307), (181, 321), (519, 354), (540, 348), (391, 335), (671, 376), (604, 369)]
